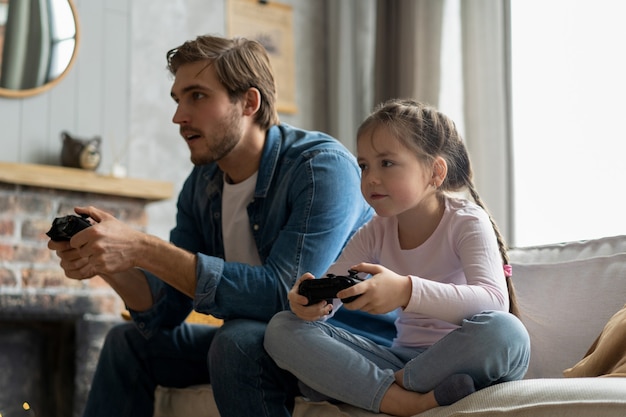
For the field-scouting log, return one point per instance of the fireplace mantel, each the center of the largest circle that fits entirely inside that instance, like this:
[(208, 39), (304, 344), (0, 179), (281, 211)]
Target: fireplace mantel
[(74, 179), (42, 311)]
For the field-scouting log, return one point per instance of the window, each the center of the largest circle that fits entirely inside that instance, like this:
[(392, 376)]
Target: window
[(569, 104)]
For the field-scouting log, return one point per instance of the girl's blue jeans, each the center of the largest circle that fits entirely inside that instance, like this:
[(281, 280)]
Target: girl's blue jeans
[(491, 347)]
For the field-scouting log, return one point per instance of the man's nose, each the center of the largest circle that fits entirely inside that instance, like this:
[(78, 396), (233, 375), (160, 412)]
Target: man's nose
[(180, 116)]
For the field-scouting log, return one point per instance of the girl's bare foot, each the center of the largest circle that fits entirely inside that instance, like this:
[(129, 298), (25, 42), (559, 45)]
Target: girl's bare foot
[(401, 402), (399, 377)]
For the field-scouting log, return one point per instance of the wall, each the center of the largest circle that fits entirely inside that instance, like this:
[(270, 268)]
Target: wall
[(91, 100), (119, 89), (36, 299)]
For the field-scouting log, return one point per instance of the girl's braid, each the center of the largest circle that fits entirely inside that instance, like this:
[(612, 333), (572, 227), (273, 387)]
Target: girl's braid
[(502, 246), (459, 176)]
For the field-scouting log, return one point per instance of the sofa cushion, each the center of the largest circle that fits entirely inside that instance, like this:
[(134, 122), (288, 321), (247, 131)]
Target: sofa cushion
[(577, 397), (565, 305), (184, 402), (568, 251)]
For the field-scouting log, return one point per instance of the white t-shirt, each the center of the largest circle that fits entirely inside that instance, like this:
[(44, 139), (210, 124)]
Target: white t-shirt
[(239, 244)]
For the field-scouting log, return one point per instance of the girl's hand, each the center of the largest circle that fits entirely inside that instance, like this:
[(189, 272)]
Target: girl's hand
[(385, 291), (298, 303)]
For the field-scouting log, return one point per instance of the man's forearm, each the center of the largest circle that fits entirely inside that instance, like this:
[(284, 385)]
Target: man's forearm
[(133, 287), (173, 265)]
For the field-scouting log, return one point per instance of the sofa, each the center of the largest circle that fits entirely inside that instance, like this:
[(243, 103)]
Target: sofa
[(572, 297)]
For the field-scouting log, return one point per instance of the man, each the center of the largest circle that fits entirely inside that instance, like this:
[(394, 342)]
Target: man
[(265, 203)]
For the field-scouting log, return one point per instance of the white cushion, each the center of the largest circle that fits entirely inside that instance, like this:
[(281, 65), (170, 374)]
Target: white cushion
[(549, 397), (576, 397), (565, 306), (568, 251)]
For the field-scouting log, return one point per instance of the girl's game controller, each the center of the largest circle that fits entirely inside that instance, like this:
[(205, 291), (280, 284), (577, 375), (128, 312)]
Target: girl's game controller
[(327, 288)]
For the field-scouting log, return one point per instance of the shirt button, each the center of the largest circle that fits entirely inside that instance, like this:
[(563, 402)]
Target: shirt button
[(255, 227), (142, 325)]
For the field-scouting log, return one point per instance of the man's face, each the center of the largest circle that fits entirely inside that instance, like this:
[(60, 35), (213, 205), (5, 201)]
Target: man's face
[(209, 122)]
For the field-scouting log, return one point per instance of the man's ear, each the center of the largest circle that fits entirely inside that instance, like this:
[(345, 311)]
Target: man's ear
[(440, 170), (252, 101)]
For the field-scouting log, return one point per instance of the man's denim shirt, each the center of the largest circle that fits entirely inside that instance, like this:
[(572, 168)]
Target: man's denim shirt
[(307, 204)]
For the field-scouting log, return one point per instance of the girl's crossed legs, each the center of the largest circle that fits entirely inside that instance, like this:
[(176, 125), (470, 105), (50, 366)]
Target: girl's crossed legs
[(490, 347)]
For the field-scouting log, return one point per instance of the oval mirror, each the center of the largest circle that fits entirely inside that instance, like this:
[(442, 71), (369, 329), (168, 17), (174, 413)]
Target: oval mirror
[(38, 45)]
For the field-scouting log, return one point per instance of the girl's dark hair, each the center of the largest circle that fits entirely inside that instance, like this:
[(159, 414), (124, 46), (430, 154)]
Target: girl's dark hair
[(239, 63), (432, 134)]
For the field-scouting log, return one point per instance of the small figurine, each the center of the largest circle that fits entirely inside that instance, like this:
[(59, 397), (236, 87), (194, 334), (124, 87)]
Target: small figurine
[(80, 153)]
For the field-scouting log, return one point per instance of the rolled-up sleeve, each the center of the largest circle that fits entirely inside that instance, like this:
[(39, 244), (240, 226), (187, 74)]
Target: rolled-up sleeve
[(169, 309)]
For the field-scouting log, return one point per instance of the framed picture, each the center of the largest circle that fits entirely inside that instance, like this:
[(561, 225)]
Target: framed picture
[(272, 25)]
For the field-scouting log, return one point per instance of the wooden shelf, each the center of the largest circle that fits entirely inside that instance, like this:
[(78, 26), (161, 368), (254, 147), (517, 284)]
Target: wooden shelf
[(74, 179)]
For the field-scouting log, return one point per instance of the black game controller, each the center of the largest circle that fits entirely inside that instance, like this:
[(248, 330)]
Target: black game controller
[(63, 228), (327, 288)]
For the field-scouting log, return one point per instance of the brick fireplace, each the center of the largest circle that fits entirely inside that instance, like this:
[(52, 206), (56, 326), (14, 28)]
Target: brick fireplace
[(52, 327)]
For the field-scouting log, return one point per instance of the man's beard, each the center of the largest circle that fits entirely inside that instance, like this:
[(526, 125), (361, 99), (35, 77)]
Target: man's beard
[(230, 134)]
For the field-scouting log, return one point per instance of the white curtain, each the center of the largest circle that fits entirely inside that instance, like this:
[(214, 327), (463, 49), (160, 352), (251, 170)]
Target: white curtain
[(485, 41), (408, 50), (350, 60), (392, 48)]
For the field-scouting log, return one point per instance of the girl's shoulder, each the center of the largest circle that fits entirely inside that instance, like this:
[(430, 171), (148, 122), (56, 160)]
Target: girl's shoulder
[(463, 206), (461, 210)]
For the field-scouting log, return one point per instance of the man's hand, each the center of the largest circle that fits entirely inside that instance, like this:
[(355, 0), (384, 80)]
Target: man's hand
[(109, 246), (109, 249), (74, 265)]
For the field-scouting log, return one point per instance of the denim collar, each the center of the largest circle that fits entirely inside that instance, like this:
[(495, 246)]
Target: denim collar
[(267, 168)]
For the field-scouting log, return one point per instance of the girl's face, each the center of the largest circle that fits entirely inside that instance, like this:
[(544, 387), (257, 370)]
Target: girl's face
[(393, 179)]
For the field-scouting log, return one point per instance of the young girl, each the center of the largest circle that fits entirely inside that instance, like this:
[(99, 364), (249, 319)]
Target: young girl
[(439, 259)]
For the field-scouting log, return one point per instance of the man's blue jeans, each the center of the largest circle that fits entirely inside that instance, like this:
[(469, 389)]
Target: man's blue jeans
[(491, 347), (246, 382)]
